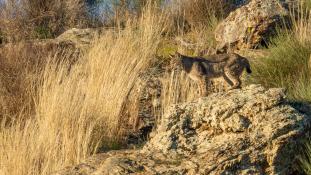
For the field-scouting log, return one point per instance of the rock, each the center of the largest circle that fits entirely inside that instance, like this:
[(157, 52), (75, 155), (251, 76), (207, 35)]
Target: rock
[(250, 25), (81, 38), (243, 131), (140, 111), (253, 54)]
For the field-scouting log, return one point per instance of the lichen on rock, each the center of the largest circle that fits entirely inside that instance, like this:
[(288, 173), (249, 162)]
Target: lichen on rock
[(250, 25)]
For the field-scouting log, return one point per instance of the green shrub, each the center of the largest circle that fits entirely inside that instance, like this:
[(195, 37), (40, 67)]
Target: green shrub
[(305, 158), (286, 66), (42, 32)]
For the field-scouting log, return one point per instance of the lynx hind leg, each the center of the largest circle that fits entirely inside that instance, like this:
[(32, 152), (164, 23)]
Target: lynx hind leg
[(232, 79), (197, 74), (203, 85)]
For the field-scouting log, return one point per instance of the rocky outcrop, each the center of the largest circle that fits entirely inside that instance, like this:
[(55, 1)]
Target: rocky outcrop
[(250, 25), (140, 110), (81, 38), (244, 131)]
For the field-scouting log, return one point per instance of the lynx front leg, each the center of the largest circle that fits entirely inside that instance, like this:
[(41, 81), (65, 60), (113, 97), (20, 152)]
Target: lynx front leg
[(197, 74), (235, 81), (203, 85)]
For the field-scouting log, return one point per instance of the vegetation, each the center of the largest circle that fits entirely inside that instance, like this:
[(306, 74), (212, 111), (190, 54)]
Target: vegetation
[(26, 19), (77, 113), (288, 62), (203, 12), (286, 66), (305, 161), (54, 113)]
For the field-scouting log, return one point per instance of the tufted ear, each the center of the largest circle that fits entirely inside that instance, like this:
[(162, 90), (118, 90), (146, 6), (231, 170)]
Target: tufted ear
[(175, 54), (224, 49), (208, 51), (171, 55), (178, 54)]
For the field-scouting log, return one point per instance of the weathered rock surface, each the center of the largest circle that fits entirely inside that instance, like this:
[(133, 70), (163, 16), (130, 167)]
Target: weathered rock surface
[(140, 110), (250, 25), (244, 131), (77, 38), (81, 38)]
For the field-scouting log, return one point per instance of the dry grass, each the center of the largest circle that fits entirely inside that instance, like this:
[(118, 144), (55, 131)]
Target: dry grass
[(302, 22), (179, 88), (78, 112), (20, 68), (176, 88), (202, 12)]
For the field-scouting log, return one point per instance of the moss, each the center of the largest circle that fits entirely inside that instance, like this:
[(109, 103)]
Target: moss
[(42, 32), (166, 48)]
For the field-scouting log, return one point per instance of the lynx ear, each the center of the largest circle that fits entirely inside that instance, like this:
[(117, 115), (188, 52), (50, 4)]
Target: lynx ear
[(171, 55), (178, 54), (175, 54)]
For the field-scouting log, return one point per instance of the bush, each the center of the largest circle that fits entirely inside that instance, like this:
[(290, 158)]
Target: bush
[(27, 19), (200, 12), (286, 66)]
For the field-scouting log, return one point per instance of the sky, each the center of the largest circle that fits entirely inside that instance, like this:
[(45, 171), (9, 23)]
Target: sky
[(107, 4)]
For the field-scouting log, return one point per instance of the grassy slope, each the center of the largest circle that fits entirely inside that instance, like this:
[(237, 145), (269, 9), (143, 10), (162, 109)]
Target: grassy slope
[(77, 112)]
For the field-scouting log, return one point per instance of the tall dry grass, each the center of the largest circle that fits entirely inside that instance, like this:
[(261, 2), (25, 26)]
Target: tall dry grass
[(20, 67), (302, 22), (176, 88), (78, 108), (202, 12)]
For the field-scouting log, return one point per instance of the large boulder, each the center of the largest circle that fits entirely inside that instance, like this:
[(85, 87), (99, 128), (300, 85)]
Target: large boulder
[(250, 25), (244, 131)]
